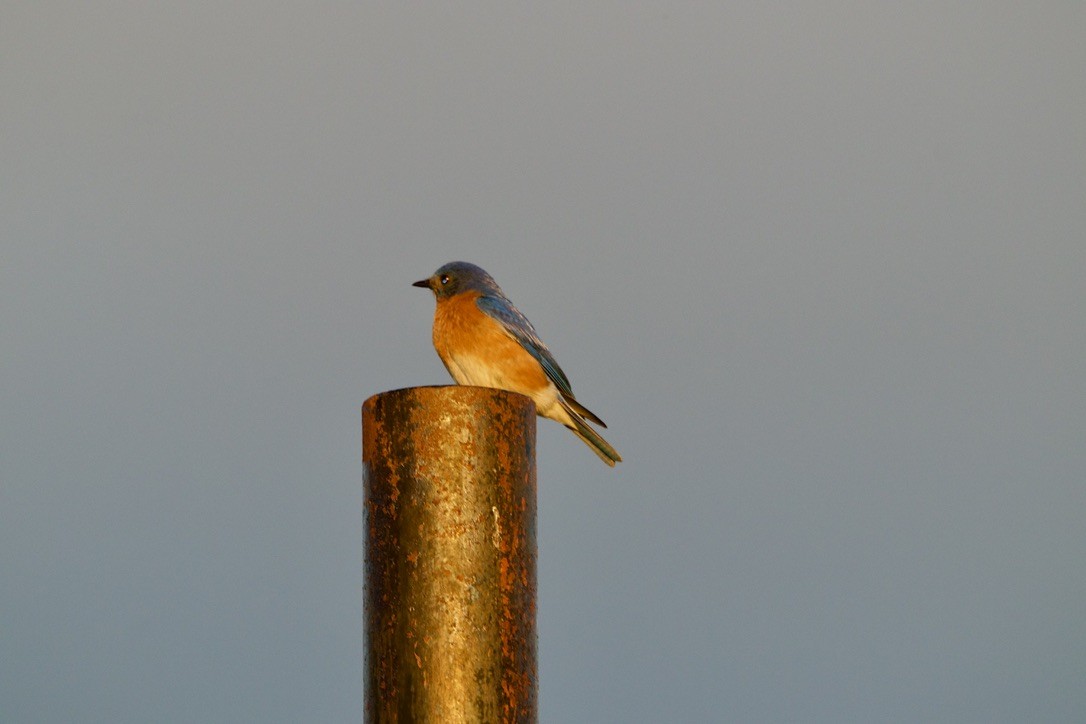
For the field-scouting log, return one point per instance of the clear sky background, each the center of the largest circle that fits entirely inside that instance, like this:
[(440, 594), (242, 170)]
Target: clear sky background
[(819, 265)]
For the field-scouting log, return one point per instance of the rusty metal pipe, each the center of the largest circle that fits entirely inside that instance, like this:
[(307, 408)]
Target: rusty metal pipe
[(450, 504)]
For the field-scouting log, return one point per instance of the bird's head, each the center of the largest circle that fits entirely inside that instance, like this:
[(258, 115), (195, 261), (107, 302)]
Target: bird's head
[(457, 277)]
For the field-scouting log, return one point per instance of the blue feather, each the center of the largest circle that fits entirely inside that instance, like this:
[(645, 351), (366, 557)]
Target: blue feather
[(518, 326)]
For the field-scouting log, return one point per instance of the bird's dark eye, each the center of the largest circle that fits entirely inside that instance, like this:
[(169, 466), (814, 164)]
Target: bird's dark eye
[(444, 278)]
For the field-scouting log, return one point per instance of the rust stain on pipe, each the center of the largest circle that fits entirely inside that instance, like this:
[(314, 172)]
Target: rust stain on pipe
[(450, 505)]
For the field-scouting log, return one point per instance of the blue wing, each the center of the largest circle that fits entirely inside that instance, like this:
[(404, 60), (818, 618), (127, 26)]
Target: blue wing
[(520, 329)]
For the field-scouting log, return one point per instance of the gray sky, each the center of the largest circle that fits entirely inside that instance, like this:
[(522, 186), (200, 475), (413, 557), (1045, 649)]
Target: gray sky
[(819, 266)]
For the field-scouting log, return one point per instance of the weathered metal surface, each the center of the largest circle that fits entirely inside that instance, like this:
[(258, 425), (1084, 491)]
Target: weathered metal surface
[(450, 502)]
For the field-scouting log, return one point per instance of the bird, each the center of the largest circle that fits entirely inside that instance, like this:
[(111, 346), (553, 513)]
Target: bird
[(485, 341)]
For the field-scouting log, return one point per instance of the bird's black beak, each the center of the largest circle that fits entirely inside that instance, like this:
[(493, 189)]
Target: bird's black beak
[(424, 283)]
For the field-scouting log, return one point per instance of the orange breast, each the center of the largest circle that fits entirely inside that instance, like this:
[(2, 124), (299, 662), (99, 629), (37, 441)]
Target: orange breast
[(477, 351)]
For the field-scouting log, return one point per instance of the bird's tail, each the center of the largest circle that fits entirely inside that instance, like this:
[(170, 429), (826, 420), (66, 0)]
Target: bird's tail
[(592, 438)]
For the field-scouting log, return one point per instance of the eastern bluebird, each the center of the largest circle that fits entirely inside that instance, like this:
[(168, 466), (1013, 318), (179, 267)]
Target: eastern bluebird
[(485, 341)]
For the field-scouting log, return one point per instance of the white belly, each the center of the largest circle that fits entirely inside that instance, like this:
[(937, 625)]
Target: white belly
[(470, 370)]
